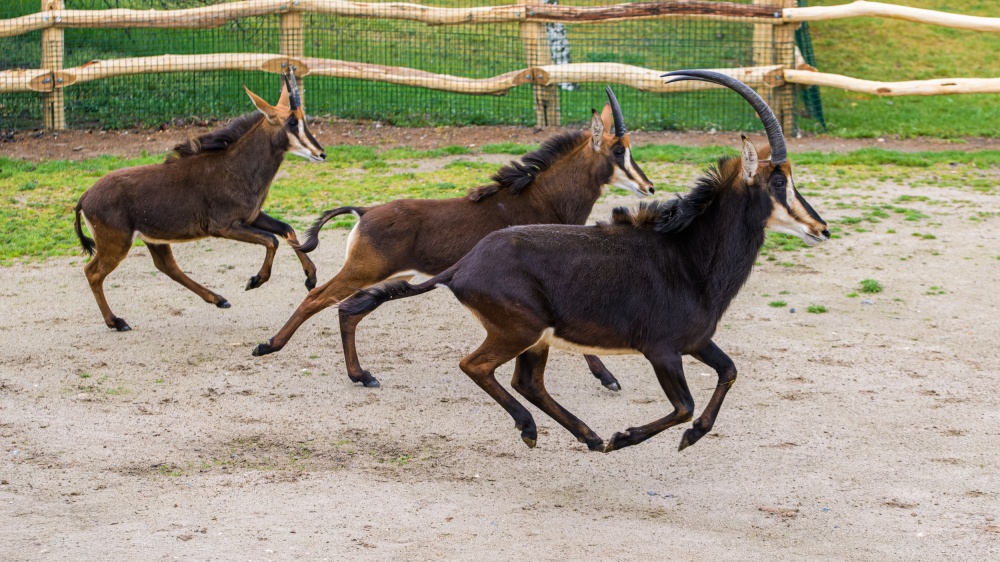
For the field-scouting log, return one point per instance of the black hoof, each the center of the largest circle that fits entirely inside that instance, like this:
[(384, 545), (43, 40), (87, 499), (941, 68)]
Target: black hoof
[(530, 437), (254, 282), (121, 325), (597, 446), (262, 349), (621, 440), (310, 282), (223, 304), (613, 386), (692, 435), (366, 379)]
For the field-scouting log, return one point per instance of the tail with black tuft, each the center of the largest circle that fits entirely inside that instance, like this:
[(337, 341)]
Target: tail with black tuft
[(367, 300), (312, 235), (87, 243)]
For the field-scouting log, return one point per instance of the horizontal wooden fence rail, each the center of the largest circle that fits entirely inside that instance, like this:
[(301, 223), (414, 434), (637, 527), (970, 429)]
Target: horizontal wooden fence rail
[(861, 8), (935, 87), (548, 75), (214, 16)]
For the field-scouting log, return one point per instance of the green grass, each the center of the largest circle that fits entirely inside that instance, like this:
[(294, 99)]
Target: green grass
[(36, 215), (894, 50), (870, 286), (816, 309), (777, 304)]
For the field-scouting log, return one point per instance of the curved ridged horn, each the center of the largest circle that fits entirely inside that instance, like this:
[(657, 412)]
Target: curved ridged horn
[(616, 113), (294, 101), (771, 125)]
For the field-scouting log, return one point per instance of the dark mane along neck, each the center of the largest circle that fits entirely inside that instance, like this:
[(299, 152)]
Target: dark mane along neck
[(517, 176), (718, 226), (218, 140)]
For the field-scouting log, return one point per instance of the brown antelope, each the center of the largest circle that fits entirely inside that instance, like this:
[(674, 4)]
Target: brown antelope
[(213, 185), (654, 282), (559, 183)]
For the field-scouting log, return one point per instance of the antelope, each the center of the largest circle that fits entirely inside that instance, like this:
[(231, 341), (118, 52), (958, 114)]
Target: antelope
[(558, 183), (211, 186), (655, 282)]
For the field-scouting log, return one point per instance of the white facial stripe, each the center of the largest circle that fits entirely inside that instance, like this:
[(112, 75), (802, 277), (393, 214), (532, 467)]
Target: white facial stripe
[(781, 221), (628, 163), (619, 179)]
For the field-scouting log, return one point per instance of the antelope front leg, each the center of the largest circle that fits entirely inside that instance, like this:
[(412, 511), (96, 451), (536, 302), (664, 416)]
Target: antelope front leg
[(274, 226), (724, 366), (670, 373), (246, 233)]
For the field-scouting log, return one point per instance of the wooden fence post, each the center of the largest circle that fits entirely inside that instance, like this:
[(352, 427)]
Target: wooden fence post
[(784, 47), (292, 42), (53, 101), (537, 53)]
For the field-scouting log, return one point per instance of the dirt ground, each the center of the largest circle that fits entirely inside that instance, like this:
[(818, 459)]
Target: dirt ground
[(869, 432), (81, 144)]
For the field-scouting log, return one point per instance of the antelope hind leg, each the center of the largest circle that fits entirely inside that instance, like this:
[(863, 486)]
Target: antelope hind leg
[(111, 250), (602, 373), (529, 381)]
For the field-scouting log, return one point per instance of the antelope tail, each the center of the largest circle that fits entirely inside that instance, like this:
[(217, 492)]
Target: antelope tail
[(87, 243), (367, 300), (312, 235)]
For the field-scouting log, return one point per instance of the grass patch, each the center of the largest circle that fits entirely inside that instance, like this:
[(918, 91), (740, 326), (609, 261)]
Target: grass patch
[(816, 309), (36, 217), (870, 286), (777, 304)]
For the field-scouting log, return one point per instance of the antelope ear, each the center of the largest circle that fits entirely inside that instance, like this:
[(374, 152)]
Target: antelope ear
[(597, 129), (750, 159), (262, 106), (607, 118)]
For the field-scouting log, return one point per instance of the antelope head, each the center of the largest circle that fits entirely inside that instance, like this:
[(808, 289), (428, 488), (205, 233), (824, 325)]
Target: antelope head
[(289, 114), (610, 139), (769, 170)]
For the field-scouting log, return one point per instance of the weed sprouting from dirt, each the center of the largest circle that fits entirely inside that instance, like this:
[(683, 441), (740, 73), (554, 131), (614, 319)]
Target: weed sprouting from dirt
[(870, 286)]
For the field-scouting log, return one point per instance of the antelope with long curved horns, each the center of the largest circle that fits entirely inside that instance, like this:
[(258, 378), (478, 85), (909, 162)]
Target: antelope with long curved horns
[(654, 282), (558, 183), (212, 186)]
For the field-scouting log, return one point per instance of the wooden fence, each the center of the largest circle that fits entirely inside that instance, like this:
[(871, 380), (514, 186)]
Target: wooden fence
[(777, 68)]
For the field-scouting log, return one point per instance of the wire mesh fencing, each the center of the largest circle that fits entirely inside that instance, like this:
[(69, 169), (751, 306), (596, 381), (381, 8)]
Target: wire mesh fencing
[(390, 68)]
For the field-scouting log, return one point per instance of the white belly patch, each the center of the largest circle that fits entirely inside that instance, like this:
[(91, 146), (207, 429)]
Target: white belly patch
[(551, 340)]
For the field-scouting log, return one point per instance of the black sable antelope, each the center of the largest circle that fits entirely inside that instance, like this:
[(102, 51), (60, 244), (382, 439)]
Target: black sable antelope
[(559, 183), (213, 185), (654, 282)]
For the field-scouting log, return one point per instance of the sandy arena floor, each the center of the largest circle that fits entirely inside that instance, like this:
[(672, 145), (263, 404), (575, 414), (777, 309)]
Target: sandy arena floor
[(871, 432)]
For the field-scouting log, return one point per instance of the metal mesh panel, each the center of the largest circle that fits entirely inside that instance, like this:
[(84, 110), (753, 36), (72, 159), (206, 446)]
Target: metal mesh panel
[(813, 105), (475, 51)]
